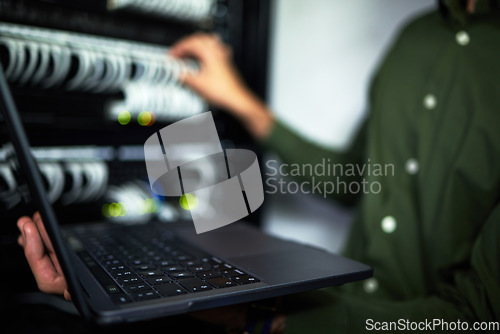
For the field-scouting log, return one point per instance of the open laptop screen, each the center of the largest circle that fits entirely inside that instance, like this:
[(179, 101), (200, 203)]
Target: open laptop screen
[(26, 184)]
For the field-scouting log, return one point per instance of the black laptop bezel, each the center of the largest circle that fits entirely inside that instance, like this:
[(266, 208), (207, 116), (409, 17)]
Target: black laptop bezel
[(33, 178)]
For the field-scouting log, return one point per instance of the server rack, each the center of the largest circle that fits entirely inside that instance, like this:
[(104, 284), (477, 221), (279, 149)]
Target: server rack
[(68, 124)]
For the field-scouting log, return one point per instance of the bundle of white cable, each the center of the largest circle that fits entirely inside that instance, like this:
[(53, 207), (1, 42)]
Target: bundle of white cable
[(146, 74), (189, 10)]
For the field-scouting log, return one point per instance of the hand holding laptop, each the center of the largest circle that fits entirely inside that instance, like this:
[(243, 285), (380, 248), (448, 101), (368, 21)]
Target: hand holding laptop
[(49, 277), (41, 256)]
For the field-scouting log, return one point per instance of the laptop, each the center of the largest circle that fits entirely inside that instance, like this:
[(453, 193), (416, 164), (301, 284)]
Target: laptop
[(119, 273)]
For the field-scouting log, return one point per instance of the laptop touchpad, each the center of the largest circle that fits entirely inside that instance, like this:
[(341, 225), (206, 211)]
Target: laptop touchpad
[(235, 240)]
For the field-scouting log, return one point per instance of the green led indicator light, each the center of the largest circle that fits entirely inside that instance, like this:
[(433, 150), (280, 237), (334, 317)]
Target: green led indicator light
[(188, 201), (146, 118), (124, 117), (105, 210)]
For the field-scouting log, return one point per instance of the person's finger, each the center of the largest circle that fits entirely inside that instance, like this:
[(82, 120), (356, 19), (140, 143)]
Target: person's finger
[(46, 240), (46, 276), (34, 247), (20, 240), (190, 79), (190, 46), (20, 223), (199, 46), (67, 295)]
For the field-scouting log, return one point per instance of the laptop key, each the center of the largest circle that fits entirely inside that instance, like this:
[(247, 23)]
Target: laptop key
[(201, 267), (134, 287), (128, 279), (181, 274), (107, 258), (194, 284), (232, 272), (145, 295), (190, 263), (221, 282), (183, 257), (208, 274), (118, 267), (150, 273), (112, 289), (145, 267), (165, 263), (121, 273), (172, 268), (246, 279), (112, 263), (170, 289), (158, 280)]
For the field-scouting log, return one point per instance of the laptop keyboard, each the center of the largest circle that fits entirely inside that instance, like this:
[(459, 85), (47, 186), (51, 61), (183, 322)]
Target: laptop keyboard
[(148, 263)]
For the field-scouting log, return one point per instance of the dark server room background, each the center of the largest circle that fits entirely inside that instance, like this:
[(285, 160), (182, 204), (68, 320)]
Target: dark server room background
[(92, 81)]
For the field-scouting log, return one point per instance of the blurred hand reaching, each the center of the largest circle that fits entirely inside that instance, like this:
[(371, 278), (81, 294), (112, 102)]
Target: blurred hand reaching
[(219, 82)]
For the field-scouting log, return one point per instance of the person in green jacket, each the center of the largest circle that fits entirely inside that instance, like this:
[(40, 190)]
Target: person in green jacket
[(432, 231)]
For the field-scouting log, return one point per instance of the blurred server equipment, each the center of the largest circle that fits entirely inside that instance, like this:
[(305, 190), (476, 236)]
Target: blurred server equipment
[(144, 73), (191, 10)]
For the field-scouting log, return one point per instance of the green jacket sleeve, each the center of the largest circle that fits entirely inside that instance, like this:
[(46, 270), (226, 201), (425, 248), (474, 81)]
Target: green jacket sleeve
[(293, 149), (473, 295)]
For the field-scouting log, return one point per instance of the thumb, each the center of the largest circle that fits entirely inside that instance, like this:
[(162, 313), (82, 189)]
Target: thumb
[(67, 296), (191, 80)]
